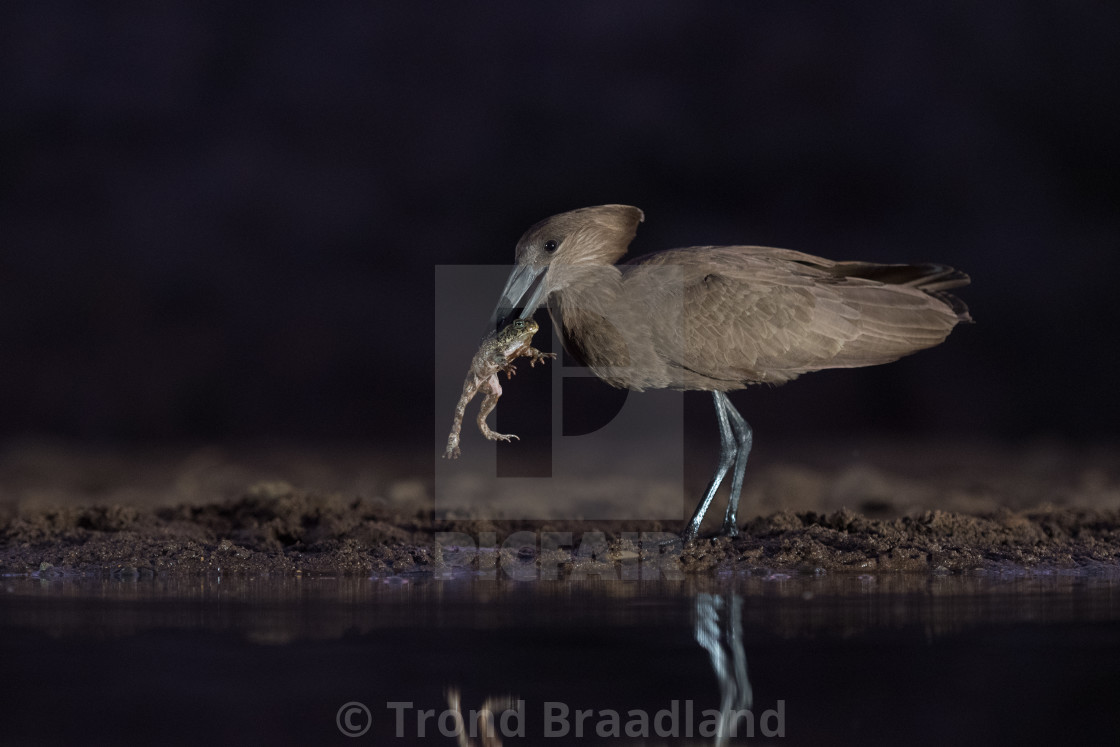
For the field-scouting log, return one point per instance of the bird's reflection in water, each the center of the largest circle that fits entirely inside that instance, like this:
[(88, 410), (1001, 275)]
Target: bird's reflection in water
[(719, 629), (481, 723)]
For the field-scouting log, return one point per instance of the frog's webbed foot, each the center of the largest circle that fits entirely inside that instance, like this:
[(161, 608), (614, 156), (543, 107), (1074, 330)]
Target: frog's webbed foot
[(492, 435), (452, 447), (536, 355)]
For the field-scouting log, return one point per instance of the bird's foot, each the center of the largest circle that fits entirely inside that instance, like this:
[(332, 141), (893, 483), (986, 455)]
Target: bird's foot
[(691, 535), (500, 436)]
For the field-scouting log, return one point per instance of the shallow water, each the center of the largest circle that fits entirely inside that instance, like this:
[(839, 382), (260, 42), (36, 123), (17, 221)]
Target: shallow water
[(883, 659)]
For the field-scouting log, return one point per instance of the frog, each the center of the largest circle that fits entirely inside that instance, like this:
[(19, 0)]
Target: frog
[(495, 355)]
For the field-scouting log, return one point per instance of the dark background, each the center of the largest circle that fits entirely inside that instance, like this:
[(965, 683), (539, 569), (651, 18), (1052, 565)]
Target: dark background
[(221, 220)]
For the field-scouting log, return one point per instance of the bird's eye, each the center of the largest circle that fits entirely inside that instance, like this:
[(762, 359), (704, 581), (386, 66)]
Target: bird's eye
[(550, 246)]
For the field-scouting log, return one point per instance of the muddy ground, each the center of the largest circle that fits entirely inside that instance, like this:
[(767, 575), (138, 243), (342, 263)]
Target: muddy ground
[(284, 510)]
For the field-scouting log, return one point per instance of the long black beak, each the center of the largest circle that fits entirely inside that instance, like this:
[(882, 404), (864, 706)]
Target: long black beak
[(520, 298)]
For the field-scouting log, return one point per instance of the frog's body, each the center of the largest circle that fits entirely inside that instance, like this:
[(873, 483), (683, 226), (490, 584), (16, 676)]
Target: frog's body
[(496, 354)]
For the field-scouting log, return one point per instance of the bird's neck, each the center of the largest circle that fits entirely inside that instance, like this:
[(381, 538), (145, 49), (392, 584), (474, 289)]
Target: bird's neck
[(586, 314)]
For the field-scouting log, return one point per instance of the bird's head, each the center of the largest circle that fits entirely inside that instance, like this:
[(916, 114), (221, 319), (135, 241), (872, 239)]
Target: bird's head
[(592, 236)]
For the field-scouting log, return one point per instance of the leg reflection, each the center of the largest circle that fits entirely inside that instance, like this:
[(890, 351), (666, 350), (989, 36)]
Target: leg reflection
[(480, 723), (719, 629)]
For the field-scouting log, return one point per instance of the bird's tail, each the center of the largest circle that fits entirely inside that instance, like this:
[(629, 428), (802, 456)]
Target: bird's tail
[(934, 279)]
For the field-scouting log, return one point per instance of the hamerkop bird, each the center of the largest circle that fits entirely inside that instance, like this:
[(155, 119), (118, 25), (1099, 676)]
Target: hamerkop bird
[(719, 318)]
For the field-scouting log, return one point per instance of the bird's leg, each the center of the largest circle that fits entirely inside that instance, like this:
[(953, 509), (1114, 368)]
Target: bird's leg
[(745, 437), (728, 447)]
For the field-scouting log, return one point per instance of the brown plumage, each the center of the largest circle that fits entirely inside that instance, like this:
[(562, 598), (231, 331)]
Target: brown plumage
[(720, 318)]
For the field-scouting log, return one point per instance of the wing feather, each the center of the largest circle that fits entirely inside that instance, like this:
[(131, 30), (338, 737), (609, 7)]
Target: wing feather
[(759, 314)]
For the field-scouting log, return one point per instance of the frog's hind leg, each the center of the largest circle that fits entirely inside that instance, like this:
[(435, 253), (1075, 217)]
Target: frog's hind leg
[(470, 388), (493, 392)]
